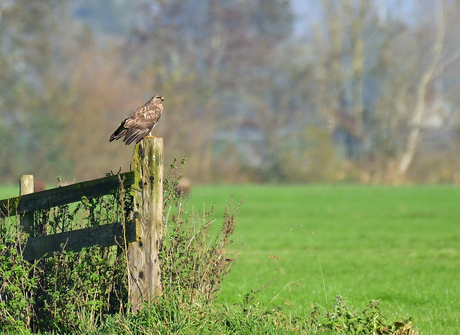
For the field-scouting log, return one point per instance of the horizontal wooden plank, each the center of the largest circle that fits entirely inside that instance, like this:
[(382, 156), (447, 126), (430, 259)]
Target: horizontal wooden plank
[(63, 195), (76, 240)]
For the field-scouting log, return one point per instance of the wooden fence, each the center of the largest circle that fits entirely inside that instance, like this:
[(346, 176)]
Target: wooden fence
[(143, 234)]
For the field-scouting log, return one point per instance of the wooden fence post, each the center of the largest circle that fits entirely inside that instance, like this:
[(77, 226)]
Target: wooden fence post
[(143, 255), (26, 186)]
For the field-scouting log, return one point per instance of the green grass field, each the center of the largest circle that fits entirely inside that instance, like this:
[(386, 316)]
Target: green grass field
[(8, 191), (397, 245)]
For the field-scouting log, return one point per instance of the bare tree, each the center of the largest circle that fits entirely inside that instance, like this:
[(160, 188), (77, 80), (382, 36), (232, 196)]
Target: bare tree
[(438, 63), (341, 50)]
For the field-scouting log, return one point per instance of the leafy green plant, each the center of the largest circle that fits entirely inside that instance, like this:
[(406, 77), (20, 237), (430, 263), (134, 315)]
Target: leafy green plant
[(77, 287), (77, 290), (17, 282), (343, 320)]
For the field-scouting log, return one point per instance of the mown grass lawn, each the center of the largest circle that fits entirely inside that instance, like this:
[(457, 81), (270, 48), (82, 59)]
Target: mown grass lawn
[(397, 245)]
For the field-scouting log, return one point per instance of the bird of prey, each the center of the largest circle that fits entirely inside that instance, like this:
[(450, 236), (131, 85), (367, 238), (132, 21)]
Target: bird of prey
[(141, 122)]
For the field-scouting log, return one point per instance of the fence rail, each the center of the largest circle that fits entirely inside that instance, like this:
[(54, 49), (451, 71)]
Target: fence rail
[(28, 203), (103, 236)]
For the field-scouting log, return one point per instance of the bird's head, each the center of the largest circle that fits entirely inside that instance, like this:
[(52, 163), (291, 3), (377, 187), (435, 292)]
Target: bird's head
[(157, 100)]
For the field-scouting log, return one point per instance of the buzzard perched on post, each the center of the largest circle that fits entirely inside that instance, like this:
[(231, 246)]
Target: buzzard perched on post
[(141, 122)]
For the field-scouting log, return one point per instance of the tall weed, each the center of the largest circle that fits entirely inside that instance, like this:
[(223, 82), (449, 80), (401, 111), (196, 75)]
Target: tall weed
[(194, 262)]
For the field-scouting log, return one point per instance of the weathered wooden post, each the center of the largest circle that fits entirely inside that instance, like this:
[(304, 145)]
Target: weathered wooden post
[(26, 186), (143, 255)]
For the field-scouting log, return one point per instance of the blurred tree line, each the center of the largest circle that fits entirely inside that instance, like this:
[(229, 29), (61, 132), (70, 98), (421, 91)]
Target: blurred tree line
[(255, 90)]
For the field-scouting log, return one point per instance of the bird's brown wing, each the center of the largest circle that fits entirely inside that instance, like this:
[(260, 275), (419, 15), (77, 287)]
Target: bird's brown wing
[(146, 115)]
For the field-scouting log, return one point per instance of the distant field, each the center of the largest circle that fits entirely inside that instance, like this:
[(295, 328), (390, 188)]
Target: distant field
[(397, 245), (8, 191)]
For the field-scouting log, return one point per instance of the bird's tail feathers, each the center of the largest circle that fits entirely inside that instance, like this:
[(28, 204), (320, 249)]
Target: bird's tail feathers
[(119, 133), (130, 137)]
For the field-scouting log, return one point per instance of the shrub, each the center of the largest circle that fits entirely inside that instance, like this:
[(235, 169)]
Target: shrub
[(17, 281)]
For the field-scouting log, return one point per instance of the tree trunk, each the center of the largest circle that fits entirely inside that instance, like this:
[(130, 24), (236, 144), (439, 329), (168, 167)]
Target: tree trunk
[(419, 111)]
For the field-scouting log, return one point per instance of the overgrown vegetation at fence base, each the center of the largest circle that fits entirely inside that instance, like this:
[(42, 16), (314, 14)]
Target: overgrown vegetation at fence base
[(68, 291), (17, 283)]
